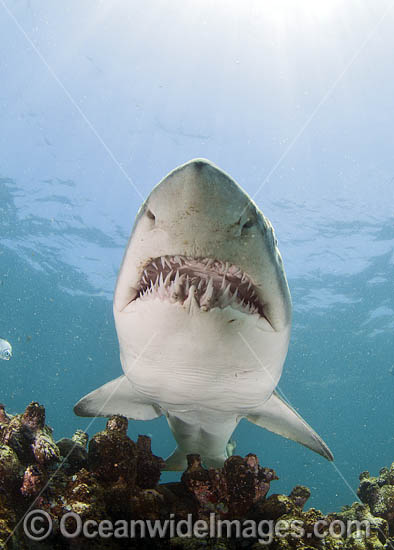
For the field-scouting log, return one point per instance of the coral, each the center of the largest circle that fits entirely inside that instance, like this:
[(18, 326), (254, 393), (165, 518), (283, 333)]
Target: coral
[(28, 436), (148, 466), (114, 481), (228, 491), (112, 454), (8, 520), (34, 480), (299, 495), (73, 451), (378, 493), (10, 468)]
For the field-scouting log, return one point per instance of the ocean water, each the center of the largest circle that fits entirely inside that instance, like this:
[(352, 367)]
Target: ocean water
[(99, 100)]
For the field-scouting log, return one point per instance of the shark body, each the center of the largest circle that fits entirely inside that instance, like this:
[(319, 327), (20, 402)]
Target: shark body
[(202, 311)]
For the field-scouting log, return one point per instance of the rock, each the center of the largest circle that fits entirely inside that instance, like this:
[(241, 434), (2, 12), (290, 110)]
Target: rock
[(73, 451), (149, 466), (34, 480), (112, 454), (29, 437), (228, 491), (299, 495), (117, 479), (378, 494)]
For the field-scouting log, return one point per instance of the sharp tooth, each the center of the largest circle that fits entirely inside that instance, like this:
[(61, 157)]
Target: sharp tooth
[(168, 263), (234, 296), (191, 300), (223, 282), (243, 277), (249, 285), (177, 259), (227, 265), (162, 291), (163, 264), (174, 295), (144, 280), (168, 278), (157, 282), (226, 294), (200, 284), (145, 273), (209, 262), (155, 265), (176, 288), (187, 285), (161, 282), (206, 298)]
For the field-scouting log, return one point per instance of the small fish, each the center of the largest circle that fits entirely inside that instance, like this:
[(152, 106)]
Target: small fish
[(5, 350)]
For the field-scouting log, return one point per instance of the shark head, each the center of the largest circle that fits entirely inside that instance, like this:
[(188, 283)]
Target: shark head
[(200, 224), (201, 247)]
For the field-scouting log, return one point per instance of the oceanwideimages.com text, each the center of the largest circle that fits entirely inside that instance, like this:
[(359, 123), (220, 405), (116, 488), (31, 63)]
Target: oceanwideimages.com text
[(38, 526)]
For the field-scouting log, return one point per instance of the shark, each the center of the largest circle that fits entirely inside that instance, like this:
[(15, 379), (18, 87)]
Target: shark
[(202, 310)]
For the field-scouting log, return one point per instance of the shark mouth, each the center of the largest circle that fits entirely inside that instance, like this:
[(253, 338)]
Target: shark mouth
[(207, 282)]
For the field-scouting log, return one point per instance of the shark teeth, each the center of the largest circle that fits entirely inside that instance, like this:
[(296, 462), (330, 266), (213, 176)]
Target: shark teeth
[(199, 283), (191, 301), (207, 298)]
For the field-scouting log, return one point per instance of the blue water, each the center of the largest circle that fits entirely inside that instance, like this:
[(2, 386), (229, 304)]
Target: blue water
[(99, 101)]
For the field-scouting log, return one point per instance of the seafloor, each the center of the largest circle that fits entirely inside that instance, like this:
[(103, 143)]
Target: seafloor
[(112, 483)]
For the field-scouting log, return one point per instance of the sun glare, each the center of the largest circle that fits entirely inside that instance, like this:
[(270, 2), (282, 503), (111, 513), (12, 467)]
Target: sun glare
[(309, 9)]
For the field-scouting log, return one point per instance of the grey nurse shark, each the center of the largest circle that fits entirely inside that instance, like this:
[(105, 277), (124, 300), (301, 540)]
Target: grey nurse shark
[(203, 313)]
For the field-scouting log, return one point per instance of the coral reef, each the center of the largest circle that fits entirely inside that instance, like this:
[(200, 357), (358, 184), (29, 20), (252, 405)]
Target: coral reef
[(105, 493), (378, 494)]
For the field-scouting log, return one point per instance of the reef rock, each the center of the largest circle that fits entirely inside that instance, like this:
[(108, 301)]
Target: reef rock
[(378, 493), (112, 479), (228, 491), (28, 435), (112, 454), (74, 452)]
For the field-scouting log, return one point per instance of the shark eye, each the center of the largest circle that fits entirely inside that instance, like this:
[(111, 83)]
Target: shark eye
[(150, 215)]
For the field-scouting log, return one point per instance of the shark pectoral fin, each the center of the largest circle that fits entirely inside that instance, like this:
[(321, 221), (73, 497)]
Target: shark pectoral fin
[(277, 416), (117, 397)]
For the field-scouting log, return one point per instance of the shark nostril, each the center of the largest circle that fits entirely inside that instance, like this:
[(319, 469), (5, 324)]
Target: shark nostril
[(151, 215), (247, 225)]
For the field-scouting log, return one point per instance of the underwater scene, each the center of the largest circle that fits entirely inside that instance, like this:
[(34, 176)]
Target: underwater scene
[(288, 108)]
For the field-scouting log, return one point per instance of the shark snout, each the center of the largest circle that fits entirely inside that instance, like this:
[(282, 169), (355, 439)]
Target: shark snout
[(199, 203)]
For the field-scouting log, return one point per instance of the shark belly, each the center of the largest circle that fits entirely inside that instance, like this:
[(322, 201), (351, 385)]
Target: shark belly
[(199, 359)]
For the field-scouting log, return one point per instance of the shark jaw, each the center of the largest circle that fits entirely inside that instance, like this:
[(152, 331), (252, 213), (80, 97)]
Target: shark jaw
[(203, 283)]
